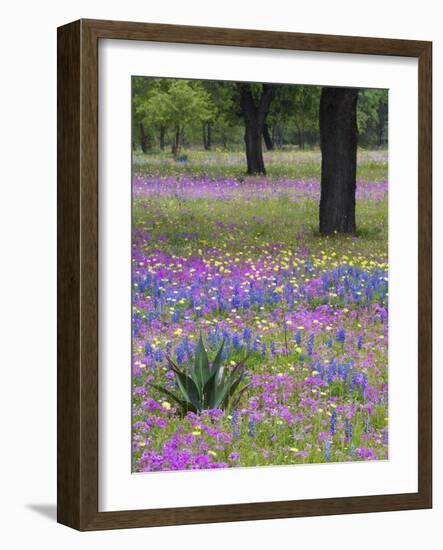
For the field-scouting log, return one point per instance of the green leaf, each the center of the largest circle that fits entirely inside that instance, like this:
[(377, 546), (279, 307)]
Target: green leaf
[(208, 389), (217, 361), (213, 387), (180, 402), (201, 372), (241, 364), (208, 394), (236, 401), (234, 385), (219, 377), (225, 391), (187, 387)]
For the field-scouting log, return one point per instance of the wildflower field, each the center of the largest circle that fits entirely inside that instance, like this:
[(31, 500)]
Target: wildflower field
[(239, 261)]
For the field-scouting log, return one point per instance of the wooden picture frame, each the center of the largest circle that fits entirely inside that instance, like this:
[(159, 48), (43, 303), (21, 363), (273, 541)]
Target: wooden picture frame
[(78, 274)]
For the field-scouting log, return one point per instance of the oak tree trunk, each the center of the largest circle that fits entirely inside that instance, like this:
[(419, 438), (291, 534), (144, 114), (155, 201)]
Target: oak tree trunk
[(338, 142), (267, 138), (254, 150), (254, 116)]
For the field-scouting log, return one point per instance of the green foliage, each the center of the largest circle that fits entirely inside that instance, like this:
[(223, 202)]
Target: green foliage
[(187, 102), (179, 109), (225, 118), (173, 105), (372, 117), (206, 387), (294, 114)]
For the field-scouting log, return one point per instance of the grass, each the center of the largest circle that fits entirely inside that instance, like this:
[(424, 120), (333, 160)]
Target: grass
[(240, 259), (372, 165)]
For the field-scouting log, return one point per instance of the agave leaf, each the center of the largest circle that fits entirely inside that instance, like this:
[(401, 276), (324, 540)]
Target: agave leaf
[(208, 389), (219, 377), (208, 394), (186, 406), (205, 387), (225, 390), (241, 364), (217, 361), (232, 389), (187, 387), (171, 363), (239, 395), (220, 396), (244, 388), (201, 372), (234, 385), (213, 388)]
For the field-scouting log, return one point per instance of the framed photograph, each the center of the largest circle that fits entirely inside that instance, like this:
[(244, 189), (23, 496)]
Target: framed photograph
[(244, 275)]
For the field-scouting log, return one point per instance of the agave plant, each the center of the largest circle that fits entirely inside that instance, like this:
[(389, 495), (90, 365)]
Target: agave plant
[(206, 386)]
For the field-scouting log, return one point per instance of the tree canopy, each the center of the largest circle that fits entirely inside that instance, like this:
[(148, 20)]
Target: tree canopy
[(173, 106), (208, 113)]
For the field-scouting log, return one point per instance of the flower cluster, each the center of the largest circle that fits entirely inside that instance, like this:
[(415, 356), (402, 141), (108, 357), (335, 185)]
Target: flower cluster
[(240, 262)]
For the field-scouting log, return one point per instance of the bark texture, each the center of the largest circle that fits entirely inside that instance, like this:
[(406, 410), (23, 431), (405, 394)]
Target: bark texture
[(207, 136), (254, 115), (267, 138), (144, 139), (338, 142), (162, 138)]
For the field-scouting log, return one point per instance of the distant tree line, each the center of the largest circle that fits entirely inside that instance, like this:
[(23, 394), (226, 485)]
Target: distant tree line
[(207, 113), (171, 113)]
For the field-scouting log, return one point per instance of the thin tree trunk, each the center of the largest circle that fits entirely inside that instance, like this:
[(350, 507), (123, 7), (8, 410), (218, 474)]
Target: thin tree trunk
[(162, 138), (301, 139), (254, 117), (206, 132), (281, 137), (382, 116), (144, 139), (176, 142), (338, 142), (380, 128), (209, 135), (267, 138), (205, 142)]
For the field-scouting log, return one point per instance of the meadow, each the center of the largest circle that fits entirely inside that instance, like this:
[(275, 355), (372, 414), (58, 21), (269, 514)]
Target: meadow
[(239, 260)]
